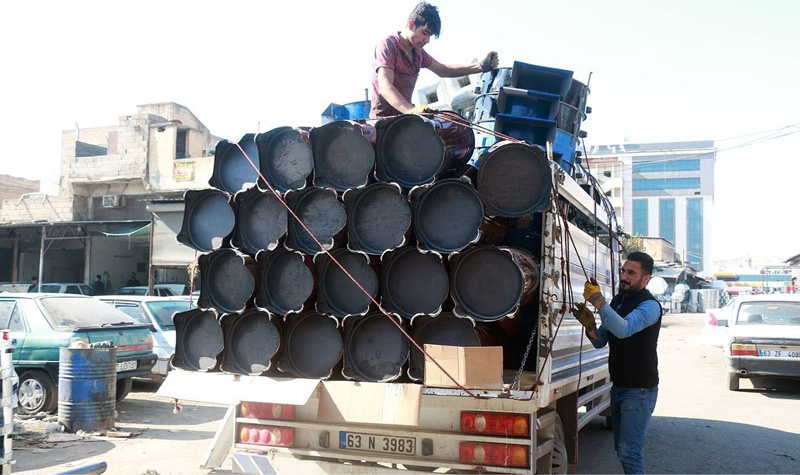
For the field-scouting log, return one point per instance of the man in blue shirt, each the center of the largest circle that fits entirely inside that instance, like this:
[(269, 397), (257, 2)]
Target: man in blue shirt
[(630, 326)]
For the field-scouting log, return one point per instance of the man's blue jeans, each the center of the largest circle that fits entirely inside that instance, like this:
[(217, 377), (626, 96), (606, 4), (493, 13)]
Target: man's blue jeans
[(630, 414)]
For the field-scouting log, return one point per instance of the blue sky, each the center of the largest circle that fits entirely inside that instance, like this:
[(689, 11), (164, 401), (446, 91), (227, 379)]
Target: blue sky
[(662, 71)]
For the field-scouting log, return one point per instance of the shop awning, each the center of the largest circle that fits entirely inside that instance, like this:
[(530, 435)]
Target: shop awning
[(129, 231)]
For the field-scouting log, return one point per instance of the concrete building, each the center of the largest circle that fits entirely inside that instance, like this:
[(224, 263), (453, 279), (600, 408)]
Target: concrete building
[(662, 190), (99, 222)]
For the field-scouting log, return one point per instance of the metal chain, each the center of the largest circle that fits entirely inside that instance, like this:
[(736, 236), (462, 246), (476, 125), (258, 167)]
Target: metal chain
[(518, 378)]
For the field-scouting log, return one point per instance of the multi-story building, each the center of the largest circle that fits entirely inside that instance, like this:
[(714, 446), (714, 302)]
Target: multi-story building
[(662, 190), (100, 221)]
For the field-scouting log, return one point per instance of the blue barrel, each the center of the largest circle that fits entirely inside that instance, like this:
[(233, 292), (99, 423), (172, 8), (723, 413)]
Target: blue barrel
[(87, 382)]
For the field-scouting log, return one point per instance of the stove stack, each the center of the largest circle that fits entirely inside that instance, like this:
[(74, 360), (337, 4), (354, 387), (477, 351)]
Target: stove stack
[(397, 205)]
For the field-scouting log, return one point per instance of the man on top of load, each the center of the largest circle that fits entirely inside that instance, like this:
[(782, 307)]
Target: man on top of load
[(399, 58)]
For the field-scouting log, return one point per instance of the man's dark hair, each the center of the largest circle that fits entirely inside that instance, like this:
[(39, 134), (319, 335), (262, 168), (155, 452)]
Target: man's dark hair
[(644, 260), (98, 276), (34, 278), (426, 15)]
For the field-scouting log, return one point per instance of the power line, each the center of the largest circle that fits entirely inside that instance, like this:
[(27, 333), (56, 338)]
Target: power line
[(756, 141)]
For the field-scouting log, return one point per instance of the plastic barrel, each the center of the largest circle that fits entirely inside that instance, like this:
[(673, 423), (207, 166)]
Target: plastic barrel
[(87, 382)]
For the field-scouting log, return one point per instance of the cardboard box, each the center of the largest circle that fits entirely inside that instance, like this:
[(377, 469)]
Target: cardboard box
[(369, 403), (479, 367)]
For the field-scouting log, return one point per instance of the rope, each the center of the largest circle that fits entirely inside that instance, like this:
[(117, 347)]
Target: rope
[(338, 264)]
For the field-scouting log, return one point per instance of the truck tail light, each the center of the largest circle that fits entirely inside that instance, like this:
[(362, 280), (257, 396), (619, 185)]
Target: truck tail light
[(264, 410), (150, 341), (495, 423), (494, 454), (266, 435), (739, 349)]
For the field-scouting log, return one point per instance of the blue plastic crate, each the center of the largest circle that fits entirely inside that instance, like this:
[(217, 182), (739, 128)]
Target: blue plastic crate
[(541, 78), (533, 131), (524, 103), (358, 110), (564, 143)]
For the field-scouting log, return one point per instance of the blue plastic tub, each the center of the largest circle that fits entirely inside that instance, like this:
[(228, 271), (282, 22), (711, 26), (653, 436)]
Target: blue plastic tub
[(358, 110), (541, 78), (524, 103), (533, 131)]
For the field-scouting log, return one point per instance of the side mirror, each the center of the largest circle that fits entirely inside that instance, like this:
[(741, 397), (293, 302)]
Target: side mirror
[(722, 323)]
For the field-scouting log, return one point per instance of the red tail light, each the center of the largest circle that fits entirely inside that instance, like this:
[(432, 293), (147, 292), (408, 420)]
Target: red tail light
[(494, 454), (264, 410), (150, 342), (739, 349), (265, 435), (495, 423)]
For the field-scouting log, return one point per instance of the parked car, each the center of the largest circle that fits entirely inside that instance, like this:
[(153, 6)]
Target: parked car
[(158, 290), (156, 312), (69, 288), (176, 289), (713, 334), (764, 338), (40, 324)]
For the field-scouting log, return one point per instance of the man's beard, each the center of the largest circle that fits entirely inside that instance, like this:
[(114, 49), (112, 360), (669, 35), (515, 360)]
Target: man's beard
[(626, 289)]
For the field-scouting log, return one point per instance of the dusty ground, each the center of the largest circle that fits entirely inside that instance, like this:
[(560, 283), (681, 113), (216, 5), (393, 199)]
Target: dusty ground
[(167, 443), (698, 427)]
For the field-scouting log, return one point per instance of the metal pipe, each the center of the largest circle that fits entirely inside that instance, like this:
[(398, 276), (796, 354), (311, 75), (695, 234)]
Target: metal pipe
[(41, 261), (92, 468)]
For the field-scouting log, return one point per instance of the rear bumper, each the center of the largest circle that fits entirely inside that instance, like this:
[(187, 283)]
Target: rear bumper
[(755, 366), (144, 365)]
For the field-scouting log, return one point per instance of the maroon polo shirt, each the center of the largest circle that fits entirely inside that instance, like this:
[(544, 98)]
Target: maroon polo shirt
[(389, 54)]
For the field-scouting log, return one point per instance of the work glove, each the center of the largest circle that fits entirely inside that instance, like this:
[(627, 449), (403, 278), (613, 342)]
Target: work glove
[(593, 294), (585, 316), (490, 61), (422, 110)]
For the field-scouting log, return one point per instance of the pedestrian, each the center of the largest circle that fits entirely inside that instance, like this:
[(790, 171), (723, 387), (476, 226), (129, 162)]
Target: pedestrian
[(630, 325), (34, 287), (133, 281), (400, 57), (97, 285)]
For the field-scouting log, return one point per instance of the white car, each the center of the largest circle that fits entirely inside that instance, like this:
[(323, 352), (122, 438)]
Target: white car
[(156, 312), (763, 338)]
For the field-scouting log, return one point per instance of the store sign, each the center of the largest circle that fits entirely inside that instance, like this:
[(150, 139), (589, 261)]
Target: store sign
[(183, 170)]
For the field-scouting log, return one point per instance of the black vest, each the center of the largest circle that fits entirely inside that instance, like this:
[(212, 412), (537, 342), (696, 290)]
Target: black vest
[(633, 361)]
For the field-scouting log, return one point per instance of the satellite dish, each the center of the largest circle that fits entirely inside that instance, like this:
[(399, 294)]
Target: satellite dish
[(657, 286)]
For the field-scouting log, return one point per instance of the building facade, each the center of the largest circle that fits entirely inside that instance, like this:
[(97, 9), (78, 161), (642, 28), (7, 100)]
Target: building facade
[(662, 190), (100, 222)]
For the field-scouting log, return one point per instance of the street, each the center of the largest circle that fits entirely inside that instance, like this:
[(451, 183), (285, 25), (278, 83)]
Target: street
[(698, 426)]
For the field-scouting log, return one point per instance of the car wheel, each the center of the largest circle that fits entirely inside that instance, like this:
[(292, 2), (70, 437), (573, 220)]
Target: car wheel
[(733, 381), (37, 393), (124, 388), (560, 464)]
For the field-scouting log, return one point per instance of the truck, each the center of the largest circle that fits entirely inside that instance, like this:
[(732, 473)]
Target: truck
[(531, 425)]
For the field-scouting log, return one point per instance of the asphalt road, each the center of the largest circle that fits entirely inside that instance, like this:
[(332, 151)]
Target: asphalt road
[(699, 426)]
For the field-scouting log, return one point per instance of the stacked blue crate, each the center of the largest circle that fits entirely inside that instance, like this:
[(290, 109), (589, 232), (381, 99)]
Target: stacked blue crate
[(538, 108)]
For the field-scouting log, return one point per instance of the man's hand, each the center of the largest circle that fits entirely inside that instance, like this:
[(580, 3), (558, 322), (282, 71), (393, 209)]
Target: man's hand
[(593, 294), (422, 110), (491, 61), (585, 316)]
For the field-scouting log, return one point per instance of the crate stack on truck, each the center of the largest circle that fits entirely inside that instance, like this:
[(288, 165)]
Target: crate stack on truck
[(330, 256)]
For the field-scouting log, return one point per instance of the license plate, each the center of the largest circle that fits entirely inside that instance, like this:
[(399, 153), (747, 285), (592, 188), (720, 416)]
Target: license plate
[(779, 352), (126, 366), (377, 443)]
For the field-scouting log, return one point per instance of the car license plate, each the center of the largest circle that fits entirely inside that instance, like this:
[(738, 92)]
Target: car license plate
[(377, 443), (126, 366), (777, 352)]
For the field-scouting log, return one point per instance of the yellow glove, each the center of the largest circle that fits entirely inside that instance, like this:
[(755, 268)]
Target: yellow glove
[(585, 316), (491, 61), (422, 110), (593, 294)]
